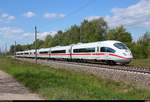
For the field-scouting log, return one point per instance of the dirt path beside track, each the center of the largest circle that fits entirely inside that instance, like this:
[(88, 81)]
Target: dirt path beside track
[(10, 89)]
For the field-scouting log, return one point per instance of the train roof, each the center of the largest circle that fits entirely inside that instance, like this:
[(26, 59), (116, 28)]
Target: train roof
[(60, 47), (19, 52), (44, 49), (106, 41), (94, 44)]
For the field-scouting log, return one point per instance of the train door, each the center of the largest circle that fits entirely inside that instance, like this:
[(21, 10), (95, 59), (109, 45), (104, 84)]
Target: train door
[(49, 53), (105, 54), (70, 52), (97, 52)]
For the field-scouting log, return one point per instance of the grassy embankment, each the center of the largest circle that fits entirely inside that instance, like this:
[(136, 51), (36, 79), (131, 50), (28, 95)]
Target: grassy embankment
[(140, 62), (63, 84)]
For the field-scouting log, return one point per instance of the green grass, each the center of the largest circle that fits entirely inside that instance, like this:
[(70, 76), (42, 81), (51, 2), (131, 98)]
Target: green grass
[(140, 62), (62, 84)]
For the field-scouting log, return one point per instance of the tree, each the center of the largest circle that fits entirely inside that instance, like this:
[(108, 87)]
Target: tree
[(12, 49), (144, 43), (119, 33), (48, 41), (39, 44), (137, 50), (16, 48), (94, 30), (57, 39), (73, 34)]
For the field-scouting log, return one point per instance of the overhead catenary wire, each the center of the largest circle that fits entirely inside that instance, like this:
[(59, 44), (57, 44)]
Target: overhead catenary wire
[(74, 12), (81, 8)]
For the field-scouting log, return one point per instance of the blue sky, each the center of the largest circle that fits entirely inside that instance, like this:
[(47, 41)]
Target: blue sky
[(18, 17)]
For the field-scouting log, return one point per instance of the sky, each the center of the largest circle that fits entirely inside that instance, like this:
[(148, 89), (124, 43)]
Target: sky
[(19, 17)]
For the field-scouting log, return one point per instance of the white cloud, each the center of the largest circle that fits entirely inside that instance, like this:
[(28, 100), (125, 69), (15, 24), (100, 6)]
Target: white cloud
[(10, 30), (29, 14), (90, 18), (54, 15), (41, 35), (137, 15), (4, 17), (44, 34), (14, 32), (27, 34), (11, 17)]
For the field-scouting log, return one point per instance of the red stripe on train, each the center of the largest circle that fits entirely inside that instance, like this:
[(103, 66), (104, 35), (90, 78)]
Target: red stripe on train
[(118, 56), (85, 54), (77, 54)]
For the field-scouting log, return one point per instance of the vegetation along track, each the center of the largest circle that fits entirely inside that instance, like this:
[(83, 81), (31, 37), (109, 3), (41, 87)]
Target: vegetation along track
[(97, 65)]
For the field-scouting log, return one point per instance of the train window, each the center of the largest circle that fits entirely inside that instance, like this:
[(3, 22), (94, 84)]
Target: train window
[(103, 49), (107, 49), (84, 50), (59, 51), (120, 46), (110, 50), (44, 52), (26, 53)]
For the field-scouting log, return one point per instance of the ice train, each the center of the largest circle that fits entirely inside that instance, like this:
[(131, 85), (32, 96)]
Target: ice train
[(110, 52)]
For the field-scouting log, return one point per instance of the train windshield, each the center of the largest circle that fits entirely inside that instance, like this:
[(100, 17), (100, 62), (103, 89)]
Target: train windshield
[(121, 46)]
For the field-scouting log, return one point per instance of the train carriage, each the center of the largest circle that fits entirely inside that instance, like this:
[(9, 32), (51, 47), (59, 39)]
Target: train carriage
[(26, 54), (44, 53), (60, 52), (109, 51), (19, 54), (31, 53), (84, 51)]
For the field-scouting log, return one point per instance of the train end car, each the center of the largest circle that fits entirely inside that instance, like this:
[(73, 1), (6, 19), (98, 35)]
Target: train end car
[(116, 51)]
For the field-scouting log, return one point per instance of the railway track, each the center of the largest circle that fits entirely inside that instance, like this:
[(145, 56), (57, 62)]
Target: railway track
[(97, 65), (123, 68)]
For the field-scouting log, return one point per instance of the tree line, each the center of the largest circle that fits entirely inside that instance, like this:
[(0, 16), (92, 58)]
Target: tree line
[(92, 31)]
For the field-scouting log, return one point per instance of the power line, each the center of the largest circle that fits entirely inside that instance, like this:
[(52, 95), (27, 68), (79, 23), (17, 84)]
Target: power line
[(82, 7), (74, 12), (68, 15)]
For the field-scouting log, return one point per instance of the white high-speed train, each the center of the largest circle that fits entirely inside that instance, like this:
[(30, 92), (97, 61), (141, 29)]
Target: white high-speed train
[(110, 51)]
